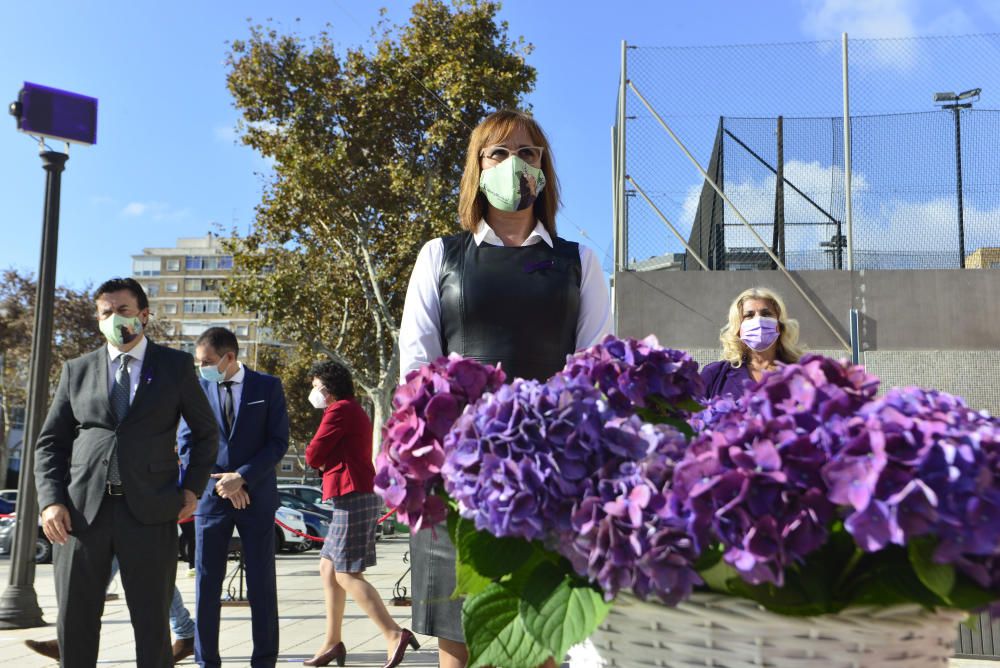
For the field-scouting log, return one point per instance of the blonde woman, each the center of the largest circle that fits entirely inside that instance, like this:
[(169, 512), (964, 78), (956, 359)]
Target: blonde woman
[(507, 290), (758, 336)]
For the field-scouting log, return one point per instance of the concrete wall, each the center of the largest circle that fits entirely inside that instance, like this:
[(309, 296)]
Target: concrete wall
[(937, 329), (951, 309)]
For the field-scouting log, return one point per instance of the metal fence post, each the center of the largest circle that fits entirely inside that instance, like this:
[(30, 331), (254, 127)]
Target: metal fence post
[(849, 215)]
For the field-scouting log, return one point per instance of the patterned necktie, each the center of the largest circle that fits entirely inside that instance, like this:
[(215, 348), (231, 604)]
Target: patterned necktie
[(120, 392), (228, 412)]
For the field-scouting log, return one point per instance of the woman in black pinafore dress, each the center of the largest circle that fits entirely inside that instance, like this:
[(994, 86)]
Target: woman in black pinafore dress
[(506, 290)]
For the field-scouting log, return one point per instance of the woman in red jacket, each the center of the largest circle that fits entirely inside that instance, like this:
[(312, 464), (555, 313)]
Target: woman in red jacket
[(342, 450)]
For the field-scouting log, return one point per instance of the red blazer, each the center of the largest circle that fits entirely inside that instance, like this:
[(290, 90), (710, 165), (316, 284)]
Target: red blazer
[(342, 449)]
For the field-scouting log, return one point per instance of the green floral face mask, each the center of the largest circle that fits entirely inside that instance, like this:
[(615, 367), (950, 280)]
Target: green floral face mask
[(120, 330), (513, 185)]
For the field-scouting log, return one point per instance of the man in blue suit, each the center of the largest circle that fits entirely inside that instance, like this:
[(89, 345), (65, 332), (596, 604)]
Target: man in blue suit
[(252, 418)]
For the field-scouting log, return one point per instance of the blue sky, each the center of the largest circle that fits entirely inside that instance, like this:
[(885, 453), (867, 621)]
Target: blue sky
[(166, 164)]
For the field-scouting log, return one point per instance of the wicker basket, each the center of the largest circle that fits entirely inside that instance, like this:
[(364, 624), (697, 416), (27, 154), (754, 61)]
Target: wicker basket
[(717, 630)]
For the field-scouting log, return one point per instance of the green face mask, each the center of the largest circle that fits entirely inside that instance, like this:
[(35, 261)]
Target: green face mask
[(120, 330), (513, 185)]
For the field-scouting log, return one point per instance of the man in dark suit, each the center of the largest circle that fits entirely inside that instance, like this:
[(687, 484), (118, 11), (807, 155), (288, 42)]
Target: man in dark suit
[(106, 474), (251, 425)]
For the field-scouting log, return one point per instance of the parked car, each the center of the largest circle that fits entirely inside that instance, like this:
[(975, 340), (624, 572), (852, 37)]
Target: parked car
[(8, 499), (317, 521), (288, 540), (314, 495), (308, 493), (43, 548)]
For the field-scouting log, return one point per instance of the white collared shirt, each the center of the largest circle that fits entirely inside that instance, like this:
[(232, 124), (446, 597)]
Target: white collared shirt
[(134, 366), (237, 388), (420, 328)]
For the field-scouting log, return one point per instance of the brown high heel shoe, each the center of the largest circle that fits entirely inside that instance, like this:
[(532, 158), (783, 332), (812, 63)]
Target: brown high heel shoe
[(405, 638), (338, 652)]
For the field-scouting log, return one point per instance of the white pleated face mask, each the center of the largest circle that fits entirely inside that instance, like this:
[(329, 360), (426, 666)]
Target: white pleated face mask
[(317, 398)]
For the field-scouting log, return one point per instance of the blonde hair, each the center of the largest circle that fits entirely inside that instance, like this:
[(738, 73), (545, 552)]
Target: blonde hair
[(735, 351), (494, 129)]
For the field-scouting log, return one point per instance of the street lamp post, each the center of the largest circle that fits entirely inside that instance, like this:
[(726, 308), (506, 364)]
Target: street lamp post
[(19, 603), (41, 112), (956, 103)]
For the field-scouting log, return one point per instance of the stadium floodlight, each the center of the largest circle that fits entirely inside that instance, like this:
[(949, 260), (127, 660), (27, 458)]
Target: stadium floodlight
[(955, 104)]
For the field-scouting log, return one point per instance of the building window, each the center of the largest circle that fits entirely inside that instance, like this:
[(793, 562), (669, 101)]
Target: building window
[(226, 262), (146, 266), (173, 265), (152, 289), (193, 328), (286, 467), (192, 262), (241, 330), (193, 284), (169, 309), (170, 287), (203, 306)]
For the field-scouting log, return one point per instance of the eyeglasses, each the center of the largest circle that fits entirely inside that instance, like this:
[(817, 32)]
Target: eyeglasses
[(530, 154)]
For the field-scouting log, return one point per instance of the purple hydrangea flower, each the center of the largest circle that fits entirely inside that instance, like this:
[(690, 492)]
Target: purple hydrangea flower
[(752, 479), (920, 462), (408, 469), (638, 374)]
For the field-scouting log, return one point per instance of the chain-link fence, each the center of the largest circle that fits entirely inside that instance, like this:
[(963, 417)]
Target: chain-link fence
[(787, 175)]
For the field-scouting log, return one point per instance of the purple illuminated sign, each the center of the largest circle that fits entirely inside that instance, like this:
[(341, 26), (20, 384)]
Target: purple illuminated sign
[(59, 114)]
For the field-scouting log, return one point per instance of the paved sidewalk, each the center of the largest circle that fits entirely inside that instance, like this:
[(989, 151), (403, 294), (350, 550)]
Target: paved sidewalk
[(300, 602)]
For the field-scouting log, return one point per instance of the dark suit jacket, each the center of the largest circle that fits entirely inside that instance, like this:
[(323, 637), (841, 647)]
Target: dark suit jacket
[(258, 441), (342, 447), (80, 431)]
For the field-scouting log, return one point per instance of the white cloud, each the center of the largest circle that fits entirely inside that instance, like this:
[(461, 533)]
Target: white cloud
[(153, 210), (825, 19), (893, 228), (883, 19)]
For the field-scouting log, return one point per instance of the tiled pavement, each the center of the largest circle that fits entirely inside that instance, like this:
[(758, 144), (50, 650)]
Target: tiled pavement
[(301, 618)]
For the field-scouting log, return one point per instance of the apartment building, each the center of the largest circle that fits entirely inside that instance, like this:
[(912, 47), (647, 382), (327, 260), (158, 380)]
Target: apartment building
[(183, 284)]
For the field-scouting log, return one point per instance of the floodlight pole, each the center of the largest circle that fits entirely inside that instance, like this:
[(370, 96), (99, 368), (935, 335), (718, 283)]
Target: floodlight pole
[(957, 110), (19, 603)]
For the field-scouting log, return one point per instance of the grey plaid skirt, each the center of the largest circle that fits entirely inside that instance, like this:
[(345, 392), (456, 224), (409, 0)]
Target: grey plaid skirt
[(350, 542)]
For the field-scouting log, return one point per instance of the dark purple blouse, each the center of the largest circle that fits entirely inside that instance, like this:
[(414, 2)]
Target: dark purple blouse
[(722, 378)]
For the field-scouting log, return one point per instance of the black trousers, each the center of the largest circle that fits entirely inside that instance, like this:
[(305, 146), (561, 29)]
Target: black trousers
[(147, 556)]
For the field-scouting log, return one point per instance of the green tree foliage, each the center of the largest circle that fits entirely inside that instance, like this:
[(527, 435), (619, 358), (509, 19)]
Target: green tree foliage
[(368, 148)]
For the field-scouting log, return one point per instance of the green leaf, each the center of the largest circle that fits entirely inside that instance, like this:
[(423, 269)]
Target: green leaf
[(939, 578), (495, 632), (467, 580), (967, 595), (490, 556), (888, 579), (718, 575), (560, 610)]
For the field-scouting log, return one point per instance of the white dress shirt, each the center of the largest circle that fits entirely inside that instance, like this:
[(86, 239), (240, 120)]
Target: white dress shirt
[(134, 366), (237, 388), (420, 328)]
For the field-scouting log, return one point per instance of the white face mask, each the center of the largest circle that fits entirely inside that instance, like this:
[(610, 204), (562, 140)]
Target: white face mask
[(317, 399)]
